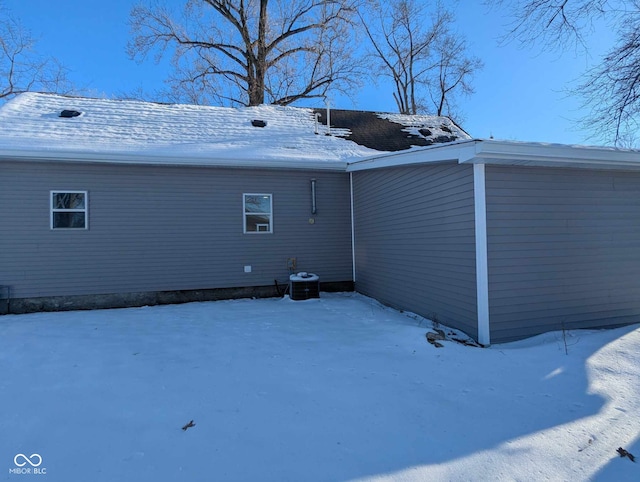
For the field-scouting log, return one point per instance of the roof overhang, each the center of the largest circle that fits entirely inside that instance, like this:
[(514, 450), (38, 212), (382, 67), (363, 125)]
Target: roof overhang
[(509, 153), (136, 158), (490, 152), (452, 152)]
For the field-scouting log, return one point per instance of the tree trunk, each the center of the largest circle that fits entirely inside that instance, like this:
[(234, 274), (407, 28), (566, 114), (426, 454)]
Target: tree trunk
[(257, 77)]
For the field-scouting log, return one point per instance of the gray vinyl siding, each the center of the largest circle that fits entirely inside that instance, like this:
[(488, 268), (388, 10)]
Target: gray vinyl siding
[(166, 228), (563, 249), (415, 240)]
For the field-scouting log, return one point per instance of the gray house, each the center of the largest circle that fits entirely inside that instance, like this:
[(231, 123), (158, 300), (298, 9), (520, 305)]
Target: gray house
[(118, 203), (503, 240)]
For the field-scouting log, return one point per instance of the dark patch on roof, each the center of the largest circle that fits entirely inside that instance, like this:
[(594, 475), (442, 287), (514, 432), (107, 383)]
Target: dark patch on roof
[(258, 123), (369, 130), (443, 139), (69, 113)]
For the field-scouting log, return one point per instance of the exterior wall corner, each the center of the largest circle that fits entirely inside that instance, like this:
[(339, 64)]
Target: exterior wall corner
[(482, 266)]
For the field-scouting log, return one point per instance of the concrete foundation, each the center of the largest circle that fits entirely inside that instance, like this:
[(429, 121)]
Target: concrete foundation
[(128, 300)]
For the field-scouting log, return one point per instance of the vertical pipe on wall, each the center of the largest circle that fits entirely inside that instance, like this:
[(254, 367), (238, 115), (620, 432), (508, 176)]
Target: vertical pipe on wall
[(353, 232), (482, 264), (314, 208)]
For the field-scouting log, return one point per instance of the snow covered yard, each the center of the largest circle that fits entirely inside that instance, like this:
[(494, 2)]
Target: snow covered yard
[(334, 389)]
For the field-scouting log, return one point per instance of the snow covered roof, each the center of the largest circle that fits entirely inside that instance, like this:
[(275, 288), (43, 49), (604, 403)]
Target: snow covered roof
[(393, 132), (127, 131)]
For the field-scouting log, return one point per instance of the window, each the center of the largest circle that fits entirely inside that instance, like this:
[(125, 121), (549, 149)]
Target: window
[(258, 213), (69, 209)]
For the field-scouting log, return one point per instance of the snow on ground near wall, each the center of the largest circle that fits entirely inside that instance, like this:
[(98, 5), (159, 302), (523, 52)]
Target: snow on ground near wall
[(338, 388)]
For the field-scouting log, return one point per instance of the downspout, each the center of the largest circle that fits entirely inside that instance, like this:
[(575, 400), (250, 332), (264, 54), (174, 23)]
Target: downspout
[(353, 233), (482, 264)]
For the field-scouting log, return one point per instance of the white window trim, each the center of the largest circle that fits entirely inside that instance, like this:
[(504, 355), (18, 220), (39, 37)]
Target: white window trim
[(244, 213), (85, 210)]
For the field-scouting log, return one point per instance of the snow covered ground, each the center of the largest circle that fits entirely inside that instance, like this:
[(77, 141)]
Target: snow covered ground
[(334, 389)]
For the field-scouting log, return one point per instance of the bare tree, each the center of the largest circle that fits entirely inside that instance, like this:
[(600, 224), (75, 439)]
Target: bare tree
[(610, 91), (21, 68), (557, 23), (401, 43), (250, 52), (453, 72), (421, 57)]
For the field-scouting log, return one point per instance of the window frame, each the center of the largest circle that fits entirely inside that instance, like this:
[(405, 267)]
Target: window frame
[(245, 214), (53, 210)]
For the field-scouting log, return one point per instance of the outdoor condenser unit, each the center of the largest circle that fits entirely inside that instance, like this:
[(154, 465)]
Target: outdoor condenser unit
[(303, 286)]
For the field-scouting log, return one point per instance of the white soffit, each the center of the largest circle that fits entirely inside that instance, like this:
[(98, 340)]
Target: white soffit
[(158, 160), (452, 152), (509, 153), (553, 155)]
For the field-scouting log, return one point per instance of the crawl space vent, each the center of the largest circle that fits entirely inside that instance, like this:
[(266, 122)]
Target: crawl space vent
[(258, 123), (69, 113)]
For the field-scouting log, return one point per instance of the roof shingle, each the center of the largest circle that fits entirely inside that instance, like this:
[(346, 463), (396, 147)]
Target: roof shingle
[(393, 132), (153, 132)]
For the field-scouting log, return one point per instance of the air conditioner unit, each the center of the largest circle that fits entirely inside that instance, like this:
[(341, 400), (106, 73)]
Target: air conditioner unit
[(304, 286)]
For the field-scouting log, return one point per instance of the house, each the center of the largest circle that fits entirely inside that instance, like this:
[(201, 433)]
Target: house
[(503, 240), (118, 203)]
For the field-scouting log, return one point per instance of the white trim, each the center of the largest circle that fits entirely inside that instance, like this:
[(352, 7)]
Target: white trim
[(510, 153), (545, 154), (137, 158), (486, 151), (482, 265), (353, 230), (245, 213), (84, 210), (458, 151)]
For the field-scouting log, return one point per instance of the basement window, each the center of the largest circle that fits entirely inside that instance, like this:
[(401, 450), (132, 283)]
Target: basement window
[(258, 213), (69, 209)]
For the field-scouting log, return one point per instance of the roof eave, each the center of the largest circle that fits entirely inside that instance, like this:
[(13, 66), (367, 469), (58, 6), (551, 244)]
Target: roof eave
[(553, 155), (159, 160), (457, 151), (511, 153)]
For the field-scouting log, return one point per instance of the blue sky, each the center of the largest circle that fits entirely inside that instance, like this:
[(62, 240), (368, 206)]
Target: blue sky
[(519, 93)]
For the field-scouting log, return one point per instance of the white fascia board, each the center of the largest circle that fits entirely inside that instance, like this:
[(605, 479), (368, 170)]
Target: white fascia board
[(557, 155), (155, 160), (460, 151)]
